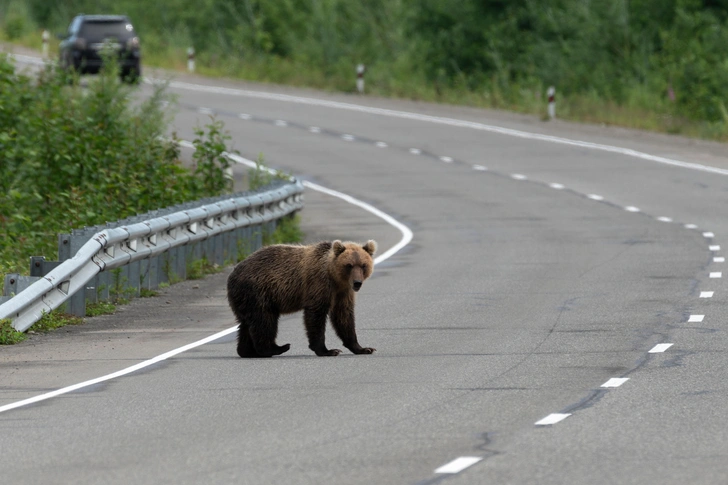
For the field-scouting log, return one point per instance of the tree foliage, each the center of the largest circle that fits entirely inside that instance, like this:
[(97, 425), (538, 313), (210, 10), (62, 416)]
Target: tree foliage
[(613, 49)]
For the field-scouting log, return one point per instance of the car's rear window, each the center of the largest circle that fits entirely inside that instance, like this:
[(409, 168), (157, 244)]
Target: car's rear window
[(103, 29)]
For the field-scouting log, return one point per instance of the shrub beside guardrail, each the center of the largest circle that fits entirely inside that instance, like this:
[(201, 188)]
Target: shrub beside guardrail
[(141, 252)]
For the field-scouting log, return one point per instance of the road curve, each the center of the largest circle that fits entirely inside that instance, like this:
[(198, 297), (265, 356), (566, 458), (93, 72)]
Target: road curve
[(557, 317)]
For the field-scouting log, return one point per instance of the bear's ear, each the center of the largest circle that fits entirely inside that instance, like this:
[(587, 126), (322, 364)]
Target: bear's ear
[(370, 247), (338, 248)]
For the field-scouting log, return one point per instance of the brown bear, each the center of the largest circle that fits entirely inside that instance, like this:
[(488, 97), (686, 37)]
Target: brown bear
[(319, 279)]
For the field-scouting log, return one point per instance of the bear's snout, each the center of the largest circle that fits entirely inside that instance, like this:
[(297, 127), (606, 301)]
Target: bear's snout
[(357, 285)]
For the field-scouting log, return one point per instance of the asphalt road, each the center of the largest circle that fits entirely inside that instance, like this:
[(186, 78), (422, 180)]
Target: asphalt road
[(539, 271)]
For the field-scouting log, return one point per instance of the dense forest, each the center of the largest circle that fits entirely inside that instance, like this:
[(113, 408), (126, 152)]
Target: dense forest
[(662, 61)]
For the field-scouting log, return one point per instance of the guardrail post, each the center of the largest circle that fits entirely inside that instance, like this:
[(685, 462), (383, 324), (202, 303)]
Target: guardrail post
[(76, 304), (36, 265), (218, 251), (40, 267), (10, 287), (64, 247)]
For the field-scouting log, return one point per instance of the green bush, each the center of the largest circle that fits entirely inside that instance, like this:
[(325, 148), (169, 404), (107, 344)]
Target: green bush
[(75, 158)]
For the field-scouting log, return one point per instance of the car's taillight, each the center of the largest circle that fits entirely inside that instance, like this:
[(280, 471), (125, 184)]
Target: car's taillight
[(80, 43), (132, 43)]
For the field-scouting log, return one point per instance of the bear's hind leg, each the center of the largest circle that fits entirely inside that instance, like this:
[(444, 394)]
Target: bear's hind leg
[(264, 335), (246, 349)]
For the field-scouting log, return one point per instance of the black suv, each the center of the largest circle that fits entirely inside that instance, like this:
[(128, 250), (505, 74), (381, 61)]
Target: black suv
[(88, 35)]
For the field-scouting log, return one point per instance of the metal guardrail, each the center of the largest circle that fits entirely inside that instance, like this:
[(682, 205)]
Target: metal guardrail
[(117, 247)]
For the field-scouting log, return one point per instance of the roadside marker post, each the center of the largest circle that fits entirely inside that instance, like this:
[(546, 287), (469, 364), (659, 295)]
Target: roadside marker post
[(45, 36), (360, 69), (191, 59), (551, 93)]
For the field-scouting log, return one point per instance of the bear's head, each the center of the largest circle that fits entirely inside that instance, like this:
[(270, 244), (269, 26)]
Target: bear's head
[(352, 263)]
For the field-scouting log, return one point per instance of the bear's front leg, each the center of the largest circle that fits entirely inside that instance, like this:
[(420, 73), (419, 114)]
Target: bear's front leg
[(315, 321), (342, 319)]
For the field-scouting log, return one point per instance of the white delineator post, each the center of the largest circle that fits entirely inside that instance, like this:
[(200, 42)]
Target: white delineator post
[(551, 93), (191, 59), (360, 77), (45, 36)]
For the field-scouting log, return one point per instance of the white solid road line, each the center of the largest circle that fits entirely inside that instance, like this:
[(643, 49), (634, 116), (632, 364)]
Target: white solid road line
[(458, 464), (406, 238), (114, 375)]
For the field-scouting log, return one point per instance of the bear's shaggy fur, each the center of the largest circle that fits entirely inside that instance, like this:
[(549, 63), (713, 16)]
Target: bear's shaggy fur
[(319, 279)]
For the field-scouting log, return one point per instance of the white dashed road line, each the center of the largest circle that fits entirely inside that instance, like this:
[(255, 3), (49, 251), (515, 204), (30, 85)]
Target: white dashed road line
[(519, 176), (706, 294), (458, 464), (631, 208), (719, 259), (595, 197), (714, 247), (690, 226), (415, 151), (664, 219), (557, 186), (615, 382), (480, 168), (708, 235), (696, 318), (381, 144), (659, 348), (446, 159), (716, 274), (438, 120), (552, 419)]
